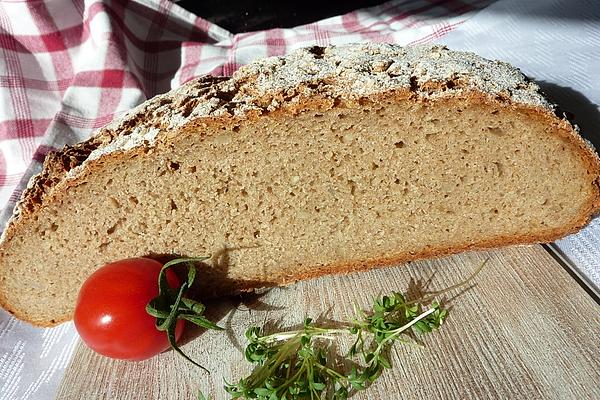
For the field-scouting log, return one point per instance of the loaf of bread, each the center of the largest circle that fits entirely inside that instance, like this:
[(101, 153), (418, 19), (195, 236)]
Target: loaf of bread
[(327, 160)]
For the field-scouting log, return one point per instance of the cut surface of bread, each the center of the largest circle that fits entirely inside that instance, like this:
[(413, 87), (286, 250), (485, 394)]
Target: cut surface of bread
[(328, 160)]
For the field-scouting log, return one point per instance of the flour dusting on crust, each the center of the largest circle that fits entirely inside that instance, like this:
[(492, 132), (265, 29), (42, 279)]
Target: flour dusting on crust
[(349, 71), (358, 70)]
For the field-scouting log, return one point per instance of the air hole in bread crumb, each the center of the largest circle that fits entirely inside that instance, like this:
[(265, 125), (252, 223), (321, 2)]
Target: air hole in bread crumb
[(114, 202), (244, 193), (172, 205), (496, 131), (53, 227), (399, 145), (174, 166), (256, 234), (112, 229), (133, 200), (192, 169), (352, 186), (499, 168)]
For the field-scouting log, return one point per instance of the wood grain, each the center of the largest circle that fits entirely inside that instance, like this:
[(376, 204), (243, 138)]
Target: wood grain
[(525, 330)]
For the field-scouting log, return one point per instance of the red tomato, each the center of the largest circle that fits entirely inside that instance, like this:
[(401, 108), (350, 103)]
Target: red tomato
[(111, 316)]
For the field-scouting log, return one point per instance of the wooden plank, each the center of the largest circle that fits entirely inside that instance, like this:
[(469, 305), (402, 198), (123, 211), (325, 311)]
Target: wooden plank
[(525, 330)]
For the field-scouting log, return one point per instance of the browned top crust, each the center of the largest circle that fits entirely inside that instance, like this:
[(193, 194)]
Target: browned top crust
[(347, 72)]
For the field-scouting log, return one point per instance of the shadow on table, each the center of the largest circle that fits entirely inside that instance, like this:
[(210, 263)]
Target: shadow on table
[(210, 271), (579, 109)]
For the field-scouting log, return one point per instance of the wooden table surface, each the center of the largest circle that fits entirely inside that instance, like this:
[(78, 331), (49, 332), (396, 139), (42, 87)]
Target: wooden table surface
[(525, 330)]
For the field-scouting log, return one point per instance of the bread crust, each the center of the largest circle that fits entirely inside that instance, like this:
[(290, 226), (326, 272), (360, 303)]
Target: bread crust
[(239, 100)]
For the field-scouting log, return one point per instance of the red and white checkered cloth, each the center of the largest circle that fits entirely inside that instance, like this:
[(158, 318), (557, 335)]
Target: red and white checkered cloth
[(68, 68)]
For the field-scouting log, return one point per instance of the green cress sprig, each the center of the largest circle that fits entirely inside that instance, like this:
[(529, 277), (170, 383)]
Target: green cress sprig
[(170, 305), (299, 364)]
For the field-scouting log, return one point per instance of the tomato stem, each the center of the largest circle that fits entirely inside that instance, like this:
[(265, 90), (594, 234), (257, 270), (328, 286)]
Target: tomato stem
[(170, 305)]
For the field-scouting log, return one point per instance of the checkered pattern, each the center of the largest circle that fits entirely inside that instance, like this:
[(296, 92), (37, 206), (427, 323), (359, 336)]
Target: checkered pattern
[(68, 68)]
